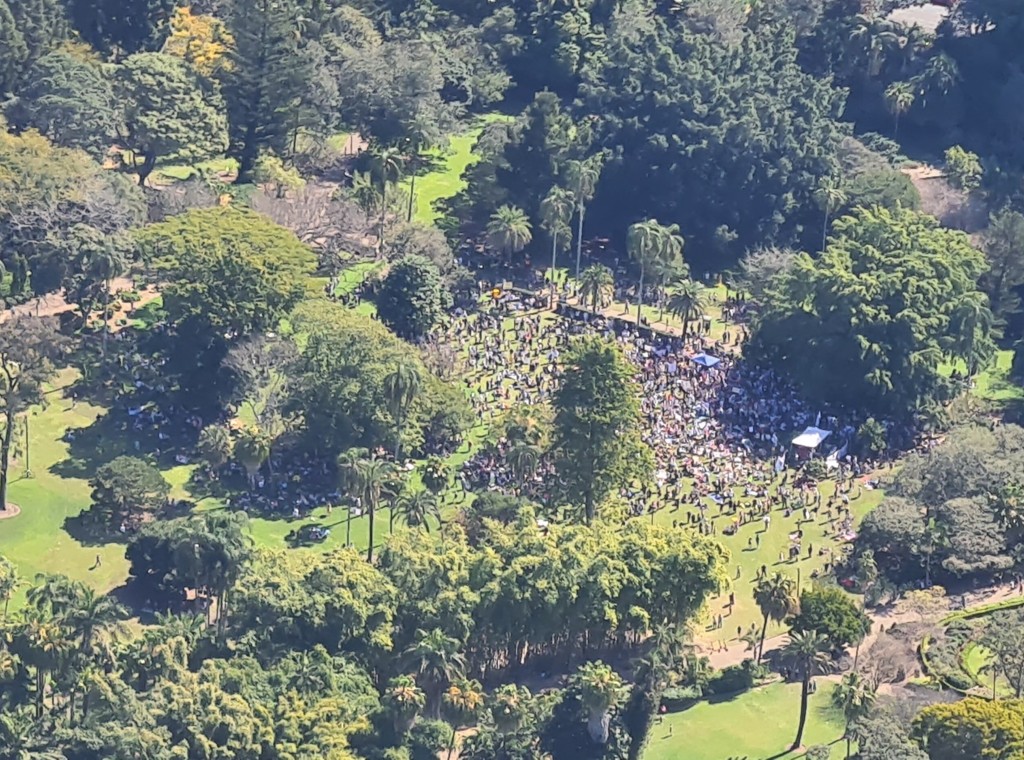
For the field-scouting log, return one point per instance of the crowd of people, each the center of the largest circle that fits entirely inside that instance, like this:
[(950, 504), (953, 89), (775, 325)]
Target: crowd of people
[(720, 434)]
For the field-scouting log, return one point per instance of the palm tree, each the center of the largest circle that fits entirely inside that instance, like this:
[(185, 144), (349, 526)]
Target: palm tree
[(556, 210), (8, 582), (687, 300), (386, 168), (601, 689), (405, 700), (855, 696), (364, 193), (42, 643), (415, 507), (597, 286), (807, 655), (421, 137), (214, 446), (189, 628), (94, 613), (644, 242), (877, 37), (830, 197), (462, 703), (972, 319), (776, 596), (523, 459), (669, 265), (899, 97), (401, 387), (582, 176), (105, 263), (53, 594), (251, 450), (940, 75), (376, 478), (510, 705), (436, 661), (509, 230), (350, 481)]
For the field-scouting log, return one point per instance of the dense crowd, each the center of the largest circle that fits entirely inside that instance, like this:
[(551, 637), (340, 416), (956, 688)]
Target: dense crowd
[(720, 434)]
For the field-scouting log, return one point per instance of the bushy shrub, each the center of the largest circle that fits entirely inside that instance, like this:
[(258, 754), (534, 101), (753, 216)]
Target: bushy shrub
[(733, 678), (678, 698)]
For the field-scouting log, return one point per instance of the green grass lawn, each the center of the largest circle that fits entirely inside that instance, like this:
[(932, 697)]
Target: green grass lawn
[(994, 384), (757, 725), (446, 180), (36, 540), (749, 560)]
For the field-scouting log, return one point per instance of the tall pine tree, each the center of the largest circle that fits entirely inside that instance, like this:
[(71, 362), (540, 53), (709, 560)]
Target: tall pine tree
[(122, 27), (43, 25), (265, 84), (12, 49)]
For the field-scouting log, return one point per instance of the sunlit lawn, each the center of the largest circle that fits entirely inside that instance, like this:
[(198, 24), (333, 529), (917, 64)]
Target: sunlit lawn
[(995, 384), (446, 181), (757, 725), (36, 540)]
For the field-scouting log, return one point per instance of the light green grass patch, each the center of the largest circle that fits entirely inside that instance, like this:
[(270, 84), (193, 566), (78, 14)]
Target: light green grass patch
[(758, 724)]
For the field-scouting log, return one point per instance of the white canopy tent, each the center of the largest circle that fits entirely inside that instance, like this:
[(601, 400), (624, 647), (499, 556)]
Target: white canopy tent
[(811, 438)]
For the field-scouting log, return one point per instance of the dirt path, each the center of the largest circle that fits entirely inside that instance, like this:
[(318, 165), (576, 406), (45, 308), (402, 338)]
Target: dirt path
[(55, 304), (880, 621)]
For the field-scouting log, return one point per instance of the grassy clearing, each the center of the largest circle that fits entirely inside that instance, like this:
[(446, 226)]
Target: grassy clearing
[(446, 180), (164, 175), (757, 725)]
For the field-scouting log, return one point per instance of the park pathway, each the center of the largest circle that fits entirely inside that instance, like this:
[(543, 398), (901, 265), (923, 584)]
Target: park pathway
[(881, 620)]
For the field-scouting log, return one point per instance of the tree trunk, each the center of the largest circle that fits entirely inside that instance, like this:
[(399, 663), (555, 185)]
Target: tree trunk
[(824, 231), (760, 648), (249, 152), (383, 214), (371, 511), (579, 240), (554, 249), (148, 164), (640, 297), (106, 323), (348, 528), (5, 457), (412, 195), (804, 687)]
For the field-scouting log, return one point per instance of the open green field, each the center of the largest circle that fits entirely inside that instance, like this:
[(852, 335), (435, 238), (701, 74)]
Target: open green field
[(757, 725)]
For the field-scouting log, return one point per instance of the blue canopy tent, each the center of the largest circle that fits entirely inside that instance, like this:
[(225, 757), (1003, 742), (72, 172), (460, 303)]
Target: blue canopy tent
[(705, 360)]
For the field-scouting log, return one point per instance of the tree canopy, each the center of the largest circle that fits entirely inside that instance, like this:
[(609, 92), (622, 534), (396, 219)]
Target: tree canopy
[(908, 289)]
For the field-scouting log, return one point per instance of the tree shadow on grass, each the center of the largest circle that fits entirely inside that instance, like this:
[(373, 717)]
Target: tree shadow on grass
[(94, 527), (113, 434), (89, 530)]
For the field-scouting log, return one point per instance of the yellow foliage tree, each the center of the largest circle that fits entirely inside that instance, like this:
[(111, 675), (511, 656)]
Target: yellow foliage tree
[(200, 40)]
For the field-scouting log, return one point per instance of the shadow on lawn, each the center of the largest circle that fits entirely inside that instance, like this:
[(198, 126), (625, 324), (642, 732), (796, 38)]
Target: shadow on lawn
[(92, 527), (114, 434)]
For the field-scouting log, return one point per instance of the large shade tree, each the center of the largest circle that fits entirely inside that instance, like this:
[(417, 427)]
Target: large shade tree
[(169, 112), (907, 286)]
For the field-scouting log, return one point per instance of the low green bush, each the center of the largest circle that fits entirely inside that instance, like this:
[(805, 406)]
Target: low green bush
[(678, 698), (734, 678)]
